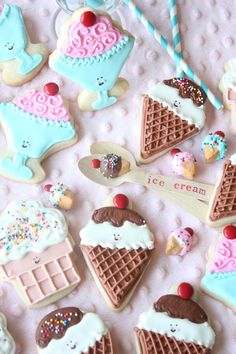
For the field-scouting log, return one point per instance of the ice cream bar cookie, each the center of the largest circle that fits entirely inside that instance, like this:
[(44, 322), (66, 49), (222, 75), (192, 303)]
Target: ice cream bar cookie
[(172, 112), (117, 245), (36, 125), (36, 252), (174, 324), (20, 60), (91, 51), (69, 330), (7, 344)]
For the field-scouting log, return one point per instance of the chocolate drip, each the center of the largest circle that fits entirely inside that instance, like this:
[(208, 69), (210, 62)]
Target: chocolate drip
[(177, 307), (116, 216)]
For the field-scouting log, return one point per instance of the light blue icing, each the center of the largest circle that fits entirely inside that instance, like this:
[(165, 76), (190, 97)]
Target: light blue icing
[(217, 142), (221, 286), (13, 40), (96, 74), (94, 3), (29, 136)]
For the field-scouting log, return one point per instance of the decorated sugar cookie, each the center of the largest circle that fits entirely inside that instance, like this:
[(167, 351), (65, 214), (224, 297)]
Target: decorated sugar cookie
[(60, 196), (172, 112), (111, 165), (175, 324), (111, 241), (220, 277), (36, 125), (7, 344), (214, 146), (183, 163), (92, 51), (69, 330), (36, 252), (20, 60), (179, 242)]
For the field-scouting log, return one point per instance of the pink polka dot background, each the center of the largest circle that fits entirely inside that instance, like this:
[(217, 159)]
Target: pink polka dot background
[(208, 41)]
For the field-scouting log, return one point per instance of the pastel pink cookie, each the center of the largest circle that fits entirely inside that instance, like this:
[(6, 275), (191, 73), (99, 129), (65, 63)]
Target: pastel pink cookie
[(180, 242), (183, 163)]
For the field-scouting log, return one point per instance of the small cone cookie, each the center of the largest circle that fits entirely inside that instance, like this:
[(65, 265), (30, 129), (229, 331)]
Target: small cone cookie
[(111, 165), (179, 242), (60, 195), (214, 146), (183, 164)]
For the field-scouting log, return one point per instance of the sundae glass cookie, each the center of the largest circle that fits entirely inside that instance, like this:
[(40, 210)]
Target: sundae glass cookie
[(36, 125), (69, 330), (91, 51), (36, 253), (214, 146), (20, 60), (175, 324), (7, 344), (60, 195), (183, 163), (111, 165), (179, 242), (172, 112), (117, 246), (220, 277)]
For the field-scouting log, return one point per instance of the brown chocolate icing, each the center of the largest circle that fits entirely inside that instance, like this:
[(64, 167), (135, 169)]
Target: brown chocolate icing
[(177, 307), (110, 165), (116, 216), (55, 325), (188, 89)]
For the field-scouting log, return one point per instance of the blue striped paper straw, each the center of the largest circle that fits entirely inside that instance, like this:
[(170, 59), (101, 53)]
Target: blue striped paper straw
[(174, 55), (175, 33)]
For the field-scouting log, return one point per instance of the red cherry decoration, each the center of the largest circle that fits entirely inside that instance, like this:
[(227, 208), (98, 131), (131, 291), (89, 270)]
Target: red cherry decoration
[(189, 230), (47, 187), (51, 89), (230, 232), (185, 291), (95, 163), (220, 133), (88, 18), (175, 151), (120, 201)]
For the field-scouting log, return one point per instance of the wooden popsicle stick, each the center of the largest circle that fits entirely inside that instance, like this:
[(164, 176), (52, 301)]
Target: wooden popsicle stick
[(231, 100)]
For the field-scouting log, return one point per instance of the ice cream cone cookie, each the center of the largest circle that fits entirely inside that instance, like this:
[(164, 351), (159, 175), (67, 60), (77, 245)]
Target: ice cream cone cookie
[(36, 125), (92, 51), (69, 330), (36, 253), (172, 112), (175, 324), (220, 277), (60, 195), (111, 165), (179, 242), (183, 163), (214, 146), (20, 60), (7, 344), (117, 246)]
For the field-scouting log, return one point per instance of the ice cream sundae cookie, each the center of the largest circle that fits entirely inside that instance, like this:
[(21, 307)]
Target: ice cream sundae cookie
[(179, 242), (117, 246), (7, 344), (92, 51), (111, 165), (60, 195), (175, 324), (36, 252), (36, 125), (172, 112), (220, 277), (183, 163), (20, 60), (69, 330), (214, 146)]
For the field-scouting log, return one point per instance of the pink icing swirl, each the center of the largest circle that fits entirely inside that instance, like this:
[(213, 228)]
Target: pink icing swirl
[(225, 256), (84, 42), (43, 105)]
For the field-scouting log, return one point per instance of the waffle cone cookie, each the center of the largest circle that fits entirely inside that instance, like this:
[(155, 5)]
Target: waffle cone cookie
[(68, 330), (171, 113), (117, 246), (174, 325), (220, 276)]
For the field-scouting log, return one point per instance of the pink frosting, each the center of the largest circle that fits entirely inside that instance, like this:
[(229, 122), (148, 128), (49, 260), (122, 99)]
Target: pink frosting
[(225, 256), (184, 238), (179, 160), (43, 105), (84, 42)]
